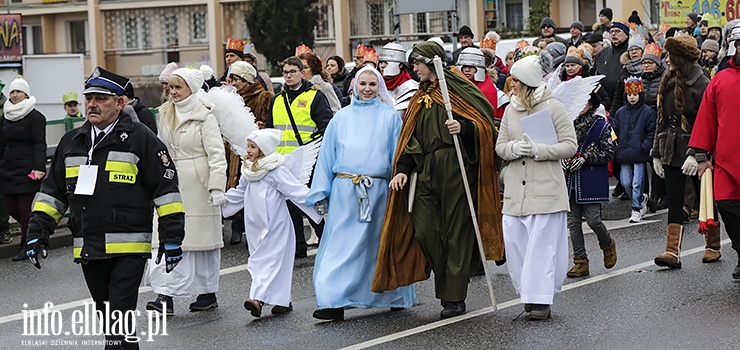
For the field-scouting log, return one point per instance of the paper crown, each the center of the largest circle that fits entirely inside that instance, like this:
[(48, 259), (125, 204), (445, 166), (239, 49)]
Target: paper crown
[(638, 30), (69, 97), (680, 33), (653, 49), (521, 44), (633, 85), (370, 56), (361, 50), (235, 44), (530, 51), (664, 27), (488, 44), (302, 49), (637, 41)]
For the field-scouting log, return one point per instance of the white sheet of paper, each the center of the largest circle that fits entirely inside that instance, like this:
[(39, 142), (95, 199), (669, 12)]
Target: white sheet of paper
[(539, 127), (86, 180)]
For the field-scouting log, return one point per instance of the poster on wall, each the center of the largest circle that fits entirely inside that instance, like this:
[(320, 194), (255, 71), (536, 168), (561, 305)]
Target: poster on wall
[(11, 49), (716, 12)]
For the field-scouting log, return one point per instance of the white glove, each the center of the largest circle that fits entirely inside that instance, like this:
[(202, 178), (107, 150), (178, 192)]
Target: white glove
[(218, 198), (658, 168), (690, 166), (527, 140), (522, 148)]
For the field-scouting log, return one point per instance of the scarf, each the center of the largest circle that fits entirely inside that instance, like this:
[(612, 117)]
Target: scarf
[(16, 112), (264, 165), (537, 96), (394, 82)]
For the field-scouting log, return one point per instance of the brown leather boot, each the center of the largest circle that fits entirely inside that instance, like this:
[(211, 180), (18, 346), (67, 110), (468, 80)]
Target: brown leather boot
[(580, 268), (674, 238), (610, 254), (711, 250)]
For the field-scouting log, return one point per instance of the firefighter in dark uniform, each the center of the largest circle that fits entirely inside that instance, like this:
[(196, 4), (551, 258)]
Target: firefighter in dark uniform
[(111, 173)]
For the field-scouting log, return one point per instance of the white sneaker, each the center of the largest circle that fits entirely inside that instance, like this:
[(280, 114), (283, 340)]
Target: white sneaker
[(314, 239), (636, 217), (644, 208)]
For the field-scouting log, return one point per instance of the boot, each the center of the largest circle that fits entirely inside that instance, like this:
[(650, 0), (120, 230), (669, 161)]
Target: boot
[(158, 304), (674, 238), (335, 314), (254, 307), (204, 302), (711, 250), (580, 268), (610, 254), (5, 237), (314, 239), (452, 308), (539, 312), (236, 238), (279, 309), (21, 255), (736, 272)]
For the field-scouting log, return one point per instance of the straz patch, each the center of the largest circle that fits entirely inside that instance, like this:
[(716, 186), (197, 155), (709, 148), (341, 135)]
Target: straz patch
[(164, 158), (122, 178), (169, 174), (302, 104)]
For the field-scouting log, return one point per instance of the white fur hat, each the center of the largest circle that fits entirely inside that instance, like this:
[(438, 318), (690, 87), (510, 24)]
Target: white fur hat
[(244, 70), (529, 71), (193, 77), (20, 84), (266, 139)]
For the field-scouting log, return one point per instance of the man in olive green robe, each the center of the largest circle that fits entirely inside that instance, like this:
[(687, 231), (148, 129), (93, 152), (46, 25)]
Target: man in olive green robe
[(441, 222)]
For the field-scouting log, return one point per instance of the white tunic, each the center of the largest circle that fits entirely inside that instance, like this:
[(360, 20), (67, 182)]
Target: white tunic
[(270, 232)]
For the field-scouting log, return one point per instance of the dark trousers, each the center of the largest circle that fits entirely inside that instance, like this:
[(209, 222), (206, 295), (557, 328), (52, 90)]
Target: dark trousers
[(730, 212), (18, 206), (237, 222), (116, 281), (296, 215), (675, 186), (4, 217)]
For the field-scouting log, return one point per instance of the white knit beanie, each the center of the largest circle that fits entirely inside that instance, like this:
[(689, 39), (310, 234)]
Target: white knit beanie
[(529, 71), (164, 77), (193, 77), (243, 69), (266, 139), (20, 84)]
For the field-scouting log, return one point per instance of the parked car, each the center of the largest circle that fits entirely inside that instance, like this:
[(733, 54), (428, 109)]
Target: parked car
[(277, 84)]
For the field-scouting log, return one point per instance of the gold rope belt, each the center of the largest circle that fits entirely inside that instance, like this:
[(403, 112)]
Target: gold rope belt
[(356, 179)]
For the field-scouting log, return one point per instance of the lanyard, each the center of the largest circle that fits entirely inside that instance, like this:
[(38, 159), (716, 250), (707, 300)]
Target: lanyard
[(94, 132)]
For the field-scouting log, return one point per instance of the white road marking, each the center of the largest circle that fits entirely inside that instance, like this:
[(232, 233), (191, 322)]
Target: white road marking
[(445, 322)]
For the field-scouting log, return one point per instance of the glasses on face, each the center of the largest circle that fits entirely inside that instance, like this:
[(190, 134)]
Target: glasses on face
[(546, 26), (290, 72), (615, 31), (635, 49)]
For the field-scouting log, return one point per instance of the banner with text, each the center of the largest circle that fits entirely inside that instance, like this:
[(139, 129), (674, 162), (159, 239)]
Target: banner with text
[(716, 12), (11, 49)]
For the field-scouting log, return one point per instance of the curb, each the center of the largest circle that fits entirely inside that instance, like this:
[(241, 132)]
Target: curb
[(62, 237)]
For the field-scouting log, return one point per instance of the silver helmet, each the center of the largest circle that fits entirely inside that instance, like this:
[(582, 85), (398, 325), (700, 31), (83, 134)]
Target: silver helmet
[(394, 54), (473, 57)]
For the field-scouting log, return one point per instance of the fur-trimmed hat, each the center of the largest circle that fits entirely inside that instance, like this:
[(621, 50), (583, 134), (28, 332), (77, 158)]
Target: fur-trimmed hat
[(266, 139), (683, 46), (193, 77)]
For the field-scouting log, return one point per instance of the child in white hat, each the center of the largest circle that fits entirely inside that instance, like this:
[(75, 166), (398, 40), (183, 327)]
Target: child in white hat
[(263, 188)]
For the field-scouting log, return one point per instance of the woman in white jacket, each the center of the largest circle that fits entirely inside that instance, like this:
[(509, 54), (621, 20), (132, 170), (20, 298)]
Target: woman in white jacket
[(535, 196), (193, 140)]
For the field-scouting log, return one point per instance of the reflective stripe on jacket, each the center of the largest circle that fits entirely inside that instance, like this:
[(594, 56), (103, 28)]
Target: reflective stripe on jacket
[(300, 108)]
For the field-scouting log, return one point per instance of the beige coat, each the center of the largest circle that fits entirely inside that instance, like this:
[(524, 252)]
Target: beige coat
[(535, 185), (197, 149)]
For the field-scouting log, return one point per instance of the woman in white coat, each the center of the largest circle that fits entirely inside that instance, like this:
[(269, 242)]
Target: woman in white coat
[(535, 195), (193, 140)]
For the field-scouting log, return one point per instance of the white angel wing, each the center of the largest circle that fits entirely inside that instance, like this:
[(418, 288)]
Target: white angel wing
[(300, 162), (575, 93), (553, 79), (235, 120)]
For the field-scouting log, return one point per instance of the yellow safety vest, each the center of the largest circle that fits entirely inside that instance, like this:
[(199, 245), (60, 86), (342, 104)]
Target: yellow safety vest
[(301, 110)]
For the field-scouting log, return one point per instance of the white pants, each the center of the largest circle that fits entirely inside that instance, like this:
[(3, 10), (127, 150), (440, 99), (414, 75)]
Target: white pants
[(537, 255)]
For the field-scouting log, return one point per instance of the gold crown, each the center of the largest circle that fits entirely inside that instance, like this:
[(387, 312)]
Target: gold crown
[(302, 49), (633, 85), (361, 50), (488, 44), (653, 49), (235, 44), (521, 44), (370, 55)]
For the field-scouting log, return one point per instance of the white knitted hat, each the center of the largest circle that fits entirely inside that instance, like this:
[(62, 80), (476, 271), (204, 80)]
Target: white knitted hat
[(266, 139), (164, 77), (244, 70), (529, 71), (193, 77), (20, 84)]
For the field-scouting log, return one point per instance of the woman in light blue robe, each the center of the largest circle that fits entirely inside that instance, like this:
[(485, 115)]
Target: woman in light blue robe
[(352, 173)]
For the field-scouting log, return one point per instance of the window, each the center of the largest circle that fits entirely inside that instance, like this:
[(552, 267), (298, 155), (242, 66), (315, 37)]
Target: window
[(32, 40), (169, 31), (514, 16), (78, 37), (324, 27), (137, 33), (587, 12), (198, 27), (376, 18), (421, 23)]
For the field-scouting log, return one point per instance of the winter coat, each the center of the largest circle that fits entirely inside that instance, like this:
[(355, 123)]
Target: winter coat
[(320, 111), (338, 82), (144, 114), (569, 42), (671, 141), (197, 150), (328, 90), (719, 107), (608, 63), (22, 149), (651, 83), (535, 185), (630, 68), (635, 129), (590, 183)]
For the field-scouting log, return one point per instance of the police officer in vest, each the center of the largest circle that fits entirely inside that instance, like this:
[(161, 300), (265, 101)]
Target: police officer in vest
[(302, 113), (111, 173)]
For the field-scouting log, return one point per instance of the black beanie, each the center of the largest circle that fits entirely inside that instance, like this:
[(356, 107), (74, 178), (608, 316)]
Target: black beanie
[(607, 12), (694, 17), (635, 18), (594, 99), (465, 30)]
